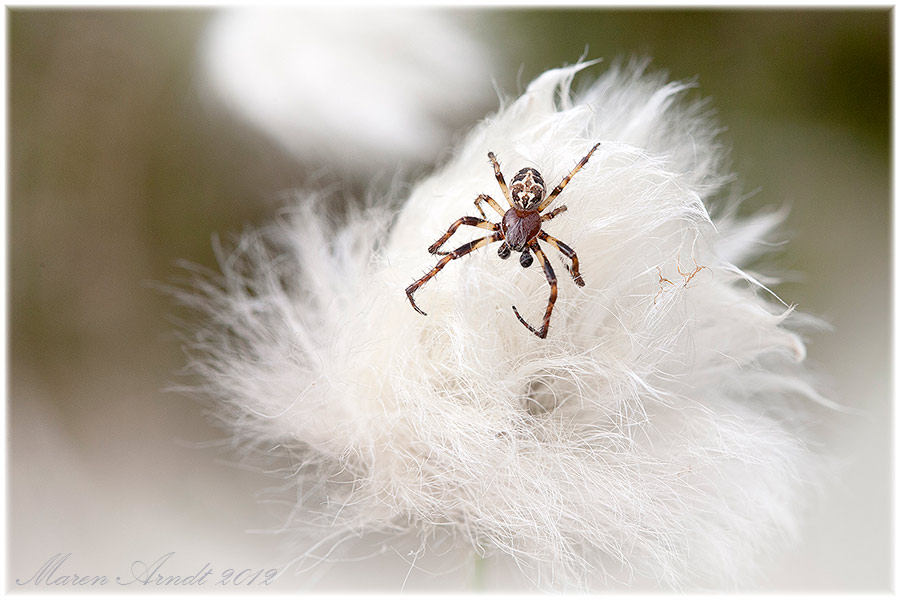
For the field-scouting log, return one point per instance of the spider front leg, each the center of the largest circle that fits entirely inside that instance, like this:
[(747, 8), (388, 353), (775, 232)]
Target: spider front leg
[(551, 279), (458, 253), (489, 200), (471, 221), (568, 252)]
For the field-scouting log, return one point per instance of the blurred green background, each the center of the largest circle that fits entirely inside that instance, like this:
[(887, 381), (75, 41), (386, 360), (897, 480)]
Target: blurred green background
[(118, 169)]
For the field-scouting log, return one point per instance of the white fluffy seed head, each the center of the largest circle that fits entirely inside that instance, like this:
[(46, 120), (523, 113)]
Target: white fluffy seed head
[(355, 90), (656, 434)]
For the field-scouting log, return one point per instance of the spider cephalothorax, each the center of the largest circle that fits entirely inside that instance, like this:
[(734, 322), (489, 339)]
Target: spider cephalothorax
[(520, 229)]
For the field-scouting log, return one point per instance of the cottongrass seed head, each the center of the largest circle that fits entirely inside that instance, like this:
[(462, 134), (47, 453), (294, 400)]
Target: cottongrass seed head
[(659, 434), (354, 91)]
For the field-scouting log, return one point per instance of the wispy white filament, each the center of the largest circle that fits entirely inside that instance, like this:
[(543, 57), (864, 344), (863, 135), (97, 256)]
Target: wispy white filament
[(657, 433)]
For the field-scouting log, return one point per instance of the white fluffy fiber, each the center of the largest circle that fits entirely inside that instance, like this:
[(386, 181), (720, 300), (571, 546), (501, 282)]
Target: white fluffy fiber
[(656, 434)]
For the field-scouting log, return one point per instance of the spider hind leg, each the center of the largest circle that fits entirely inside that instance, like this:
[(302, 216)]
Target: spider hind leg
[(435, 248), (562, 184), (493, 204), (499, 176)]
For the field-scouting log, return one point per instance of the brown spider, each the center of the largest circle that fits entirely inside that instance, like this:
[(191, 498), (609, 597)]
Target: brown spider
[(520, 229)]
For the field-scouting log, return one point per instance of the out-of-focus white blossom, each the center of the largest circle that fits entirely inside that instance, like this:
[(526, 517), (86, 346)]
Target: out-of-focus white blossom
[(659, 432), (356, 89)]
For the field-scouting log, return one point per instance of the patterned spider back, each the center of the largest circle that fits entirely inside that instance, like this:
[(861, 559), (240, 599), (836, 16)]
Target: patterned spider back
[(527, 188)]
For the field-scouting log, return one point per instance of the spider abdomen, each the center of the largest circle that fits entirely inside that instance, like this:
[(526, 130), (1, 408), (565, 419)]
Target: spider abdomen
[(519, 227)]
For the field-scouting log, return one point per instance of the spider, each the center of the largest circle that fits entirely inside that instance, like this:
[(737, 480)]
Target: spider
[(519, 229)]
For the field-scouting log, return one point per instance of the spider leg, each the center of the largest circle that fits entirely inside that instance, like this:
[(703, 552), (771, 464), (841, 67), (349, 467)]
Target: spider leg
[(499, 177), (459, 252), (472, 221), (566, 250), (489, 200), (556, 211), (546, 202), (551, 279)]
